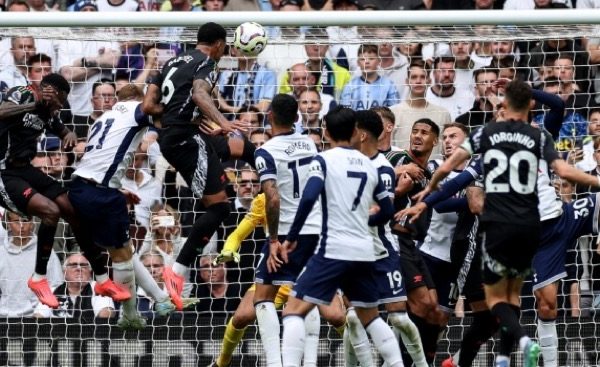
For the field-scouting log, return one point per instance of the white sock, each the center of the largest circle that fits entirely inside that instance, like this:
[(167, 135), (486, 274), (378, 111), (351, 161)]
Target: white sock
[(456, 357), (410, 337), (180, 269), (359, 339), (523, 342), (349, 355), (102, 278), (548, 338), (385, 342), (312, 323), (268, 325), (37, 277), (123, 274), (294, 334), (144, 279)]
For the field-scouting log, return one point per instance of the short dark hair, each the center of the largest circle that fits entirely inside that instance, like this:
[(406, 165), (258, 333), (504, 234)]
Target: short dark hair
[(368, 48), (551, 81), (247, 109), (463, 127), (35, 58), (18, 2), (478, 72), (340, 123), (57, 81), (518, 95), (211, 32), (593, 111), (434, 127), (385, 113), (417, 63), (438, 60), (103, 82), (285, 110), (261, 132), (369, 121)]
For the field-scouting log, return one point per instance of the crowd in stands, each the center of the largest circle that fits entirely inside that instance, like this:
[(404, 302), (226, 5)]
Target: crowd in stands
[(444, 82)]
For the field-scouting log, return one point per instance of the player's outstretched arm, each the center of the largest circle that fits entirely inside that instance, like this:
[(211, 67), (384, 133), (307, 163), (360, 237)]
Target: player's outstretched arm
[(456, 159), (9, 109), (201, 95), (568, 172)]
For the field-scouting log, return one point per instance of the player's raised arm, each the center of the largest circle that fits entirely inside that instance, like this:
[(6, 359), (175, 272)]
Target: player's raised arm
[(151, 105)]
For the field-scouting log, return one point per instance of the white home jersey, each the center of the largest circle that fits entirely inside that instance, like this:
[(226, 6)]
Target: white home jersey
[(351, 186), (112, 141), (550, 205), (286, 159), (441, 230), (384, 241)]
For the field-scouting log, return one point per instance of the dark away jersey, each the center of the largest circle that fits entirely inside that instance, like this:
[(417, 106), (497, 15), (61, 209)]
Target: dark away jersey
[(19, 134), (510, 152), (176, 81)]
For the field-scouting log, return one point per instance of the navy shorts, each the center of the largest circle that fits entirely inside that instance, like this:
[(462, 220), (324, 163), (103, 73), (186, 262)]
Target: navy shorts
[(19, 184), (389, 279), (103, 213), (194, 156), (322, 277), (297, 259), (443, 274), (579, 218)]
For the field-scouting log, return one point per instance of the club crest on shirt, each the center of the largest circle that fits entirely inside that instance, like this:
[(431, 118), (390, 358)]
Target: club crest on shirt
[(33, 122)]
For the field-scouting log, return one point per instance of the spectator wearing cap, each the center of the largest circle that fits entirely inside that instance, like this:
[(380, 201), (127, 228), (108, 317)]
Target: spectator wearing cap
[(85, 5), (369, 89), (76, 295), (444, 92)]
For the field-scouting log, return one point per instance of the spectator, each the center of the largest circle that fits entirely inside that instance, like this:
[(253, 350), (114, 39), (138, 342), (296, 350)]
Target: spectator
[(16, 75), (83, 63), (574, 90), (300, 79), (444, 93), (590, 161), (103, 99), (17, 262), (38, 66), (250, 84), (58, 160), (76, 295), (532, 4), (343, 48), (370, 89), (309, 109), (85, 5), (39, 5), (416, 106), (330, 77), (317, 136), (154, 262), (250, 115), (120, 5), (555, 48), (463, 65), (144, 185), (595, 170), (486, 99), (393, 64), (18, 5), (481, 55), (215, 293), (574, 127), (259, 137)]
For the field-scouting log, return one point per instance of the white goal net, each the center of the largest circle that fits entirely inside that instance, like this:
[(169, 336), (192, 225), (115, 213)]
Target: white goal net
[(460, 64)]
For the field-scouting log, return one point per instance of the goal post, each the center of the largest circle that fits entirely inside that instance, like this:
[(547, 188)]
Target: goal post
[(194, 337)]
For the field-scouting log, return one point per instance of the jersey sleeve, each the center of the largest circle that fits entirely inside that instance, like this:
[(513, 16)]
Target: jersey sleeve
[(380, 192), (317, 168), (155, 78), (473, 143), (205, 71), (387, 176), (265, 165), (56, 126), (19, 95), (140, 117), (548, 152)]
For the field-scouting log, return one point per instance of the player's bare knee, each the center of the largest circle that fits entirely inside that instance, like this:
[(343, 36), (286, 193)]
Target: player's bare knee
[(335, 316), (547, 310), (242, 319), (49, 213)]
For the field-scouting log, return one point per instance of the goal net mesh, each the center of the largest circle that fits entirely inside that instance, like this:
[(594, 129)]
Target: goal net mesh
[(565, 54)]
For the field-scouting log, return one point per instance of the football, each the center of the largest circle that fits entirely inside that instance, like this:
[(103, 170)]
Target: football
[(250, 38)]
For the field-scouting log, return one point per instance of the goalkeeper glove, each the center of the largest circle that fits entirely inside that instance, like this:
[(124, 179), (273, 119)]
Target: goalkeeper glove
[(225, 256)]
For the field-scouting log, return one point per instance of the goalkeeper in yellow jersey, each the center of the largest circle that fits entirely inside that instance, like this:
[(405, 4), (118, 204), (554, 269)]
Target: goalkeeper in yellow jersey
[(246, 314)]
